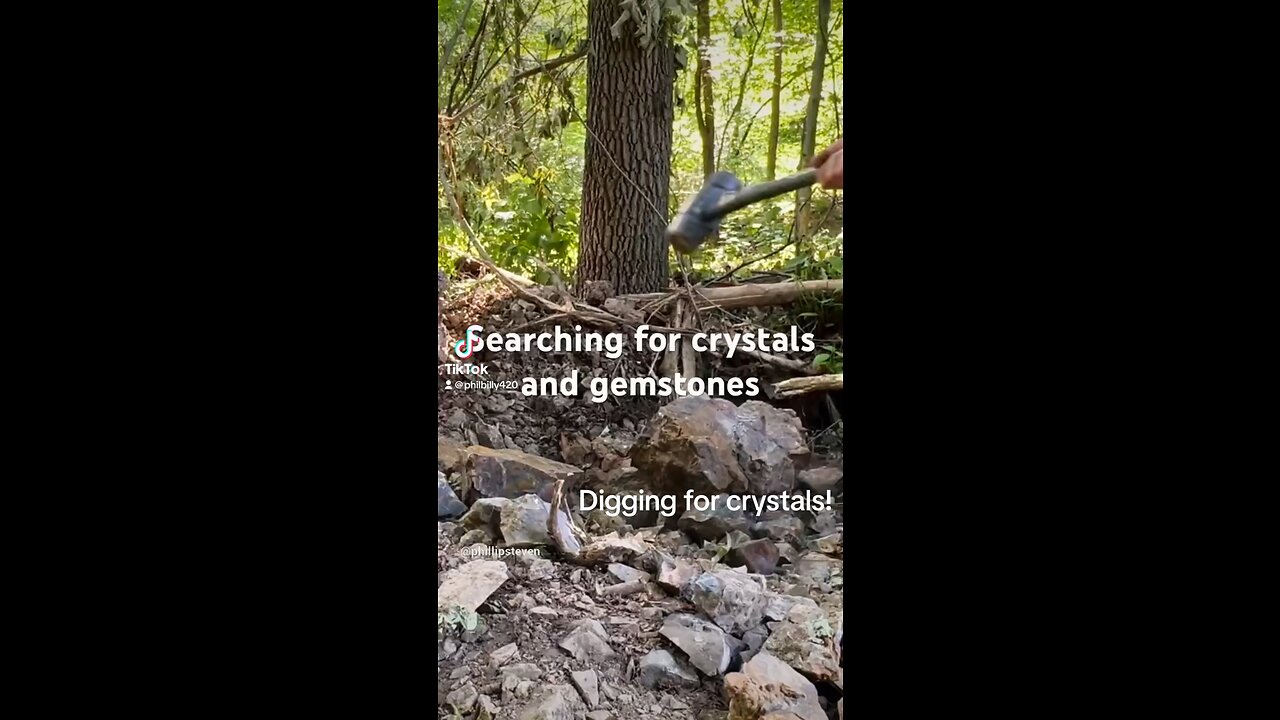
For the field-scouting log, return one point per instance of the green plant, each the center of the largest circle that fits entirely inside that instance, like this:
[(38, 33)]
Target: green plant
[(455, 619)]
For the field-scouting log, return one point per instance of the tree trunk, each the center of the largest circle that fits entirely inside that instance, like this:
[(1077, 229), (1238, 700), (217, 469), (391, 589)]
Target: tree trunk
[(776, 113), (808, 136), (628, 156), (704, 104)]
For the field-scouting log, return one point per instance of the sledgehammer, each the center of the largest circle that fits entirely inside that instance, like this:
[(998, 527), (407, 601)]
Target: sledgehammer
[(701, 214)]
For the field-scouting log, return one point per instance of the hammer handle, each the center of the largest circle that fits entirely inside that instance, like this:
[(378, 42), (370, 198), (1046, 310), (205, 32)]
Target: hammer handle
[(765, 190)]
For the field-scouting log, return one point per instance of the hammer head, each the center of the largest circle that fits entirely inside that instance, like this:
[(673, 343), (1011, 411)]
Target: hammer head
[(698, 219)]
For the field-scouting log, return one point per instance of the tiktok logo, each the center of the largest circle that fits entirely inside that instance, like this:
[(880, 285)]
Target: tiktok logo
[(465, 347)]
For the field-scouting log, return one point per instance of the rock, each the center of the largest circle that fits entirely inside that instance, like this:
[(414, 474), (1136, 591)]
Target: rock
[(674, 703), (675, 574), (487, 707), (522, 671), (511, 473), (840, 707), (456, 419), (769, 688), (660, 669), (588, 642), (464, 698), (702, 641), (490, 436), (732, 600), (711, 446), (470, 584), (485, 515), (832, 544), (816, 567), (598, 715), (753, 640), (449, 454), (714, 523), (524, 521), (823, 522), (778, 607), (784, 529), (543, 610), (614, 549), (799, 646), (588, 685), (759, 556), (820, 479), (503, 655), (447, 503), (554, 702), (626, 573), (541, 568), (474, 634)]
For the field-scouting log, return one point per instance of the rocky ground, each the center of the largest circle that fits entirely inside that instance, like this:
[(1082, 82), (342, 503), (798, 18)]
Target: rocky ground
[(725, 615)]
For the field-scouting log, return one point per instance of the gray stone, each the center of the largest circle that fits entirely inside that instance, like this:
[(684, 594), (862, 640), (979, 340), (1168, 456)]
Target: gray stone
[(490, 436), (464, 698), (503, 655), (626, 573), (711, 446), (588, 685), (447, 503), (541, 568), (702, 641), (470, 584), (554, 702), (588, 642), (524, 521), (660, 669), (820, 479), (732, 600), (783, 529), (598, 715)]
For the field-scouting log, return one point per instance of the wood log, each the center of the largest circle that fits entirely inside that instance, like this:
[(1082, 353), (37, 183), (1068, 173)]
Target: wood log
[(800, 386), (740, 296)]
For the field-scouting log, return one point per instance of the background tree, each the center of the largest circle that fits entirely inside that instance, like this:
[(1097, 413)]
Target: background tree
[(808, 137), (631, 71)]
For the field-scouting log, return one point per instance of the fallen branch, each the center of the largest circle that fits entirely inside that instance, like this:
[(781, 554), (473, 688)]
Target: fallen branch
[(798, 366), (740, 296), (800, 386)]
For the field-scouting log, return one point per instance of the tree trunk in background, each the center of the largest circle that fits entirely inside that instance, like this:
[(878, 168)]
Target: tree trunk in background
[(629, 114), (704, 102), (776, 112), (807, 138)]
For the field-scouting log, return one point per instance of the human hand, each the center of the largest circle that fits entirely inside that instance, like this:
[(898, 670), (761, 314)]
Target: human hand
[(830, 165)]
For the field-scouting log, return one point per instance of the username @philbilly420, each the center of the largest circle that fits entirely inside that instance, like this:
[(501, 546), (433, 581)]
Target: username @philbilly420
[(612, 345)]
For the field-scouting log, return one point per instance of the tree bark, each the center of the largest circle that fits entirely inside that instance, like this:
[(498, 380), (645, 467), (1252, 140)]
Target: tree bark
[(808, 135), (775, 113), (704, 102), (628, 156)]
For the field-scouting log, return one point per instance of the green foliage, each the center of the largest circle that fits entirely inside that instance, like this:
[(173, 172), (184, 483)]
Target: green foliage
[(514, 148), (456, 619)]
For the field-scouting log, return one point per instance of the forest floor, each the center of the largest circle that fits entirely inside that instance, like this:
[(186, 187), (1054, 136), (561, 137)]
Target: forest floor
[(703, 616)]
